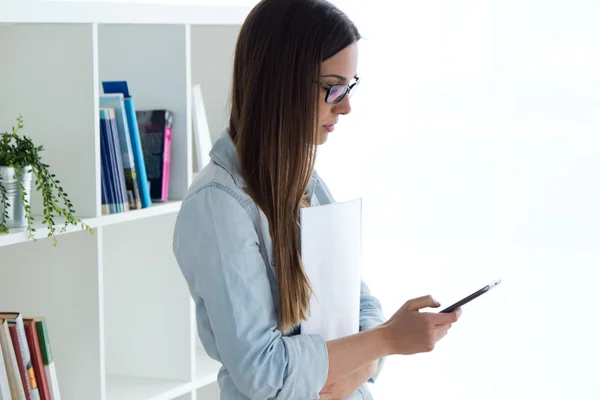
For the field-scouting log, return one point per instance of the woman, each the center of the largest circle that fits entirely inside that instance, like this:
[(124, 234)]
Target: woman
[(237, 234)]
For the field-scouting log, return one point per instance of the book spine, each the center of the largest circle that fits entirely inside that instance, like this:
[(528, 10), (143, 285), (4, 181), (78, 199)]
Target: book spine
[(36, 358), (118, 153), (10, 362), (167, 158), (106, 164), (4, 385), (105, 205), (35, 393), (112, 164), (48, 360), (116, 101), (138, 153), (52, 381), (19, 354)]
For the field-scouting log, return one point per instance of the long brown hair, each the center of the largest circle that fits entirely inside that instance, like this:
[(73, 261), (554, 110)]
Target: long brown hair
[(273, 123)]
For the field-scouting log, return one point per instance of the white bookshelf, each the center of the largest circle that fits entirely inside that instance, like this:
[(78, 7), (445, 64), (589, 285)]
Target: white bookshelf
[(121, 321)]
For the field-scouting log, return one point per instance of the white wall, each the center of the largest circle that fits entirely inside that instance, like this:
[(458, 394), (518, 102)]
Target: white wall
[(475, 144)]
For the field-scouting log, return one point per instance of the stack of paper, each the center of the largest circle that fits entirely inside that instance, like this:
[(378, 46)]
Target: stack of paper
[(331, 252)]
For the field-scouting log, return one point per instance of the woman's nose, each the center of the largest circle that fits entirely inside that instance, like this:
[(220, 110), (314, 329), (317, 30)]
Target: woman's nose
[(343, 107)]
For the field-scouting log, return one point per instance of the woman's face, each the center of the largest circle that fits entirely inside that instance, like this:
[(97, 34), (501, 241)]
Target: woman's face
[(337, 70)]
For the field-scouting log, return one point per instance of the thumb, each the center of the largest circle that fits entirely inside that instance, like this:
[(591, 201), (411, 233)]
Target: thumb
[(421, 302)]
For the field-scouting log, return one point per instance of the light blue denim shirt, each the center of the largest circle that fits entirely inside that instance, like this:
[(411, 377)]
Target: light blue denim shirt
[(223, 247)]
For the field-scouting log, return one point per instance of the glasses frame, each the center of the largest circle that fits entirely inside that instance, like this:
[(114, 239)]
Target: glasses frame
[(349, 90)]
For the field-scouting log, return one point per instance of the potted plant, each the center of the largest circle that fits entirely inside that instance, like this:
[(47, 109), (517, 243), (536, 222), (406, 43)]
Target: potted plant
[(20, 161)]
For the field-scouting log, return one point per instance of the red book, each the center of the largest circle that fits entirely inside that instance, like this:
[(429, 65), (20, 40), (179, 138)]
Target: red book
[(16, 341), (36, 358)]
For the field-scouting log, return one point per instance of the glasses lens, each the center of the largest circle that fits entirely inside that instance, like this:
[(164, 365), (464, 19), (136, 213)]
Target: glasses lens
[(337, 93)]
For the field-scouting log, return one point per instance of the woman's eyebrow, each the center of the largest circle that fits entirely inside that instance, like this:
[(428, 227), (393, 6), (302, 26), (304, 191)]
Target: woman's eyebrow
[(341, 78)]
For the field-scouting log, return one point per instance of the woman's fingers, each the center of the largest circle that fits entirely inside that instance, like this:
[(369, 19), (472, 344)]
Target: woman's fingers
[(445, 318), (421, 302)]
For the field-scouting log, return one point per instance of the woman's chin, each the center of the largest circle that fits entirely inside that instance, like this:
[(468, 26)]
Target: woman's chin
[(323, 135)]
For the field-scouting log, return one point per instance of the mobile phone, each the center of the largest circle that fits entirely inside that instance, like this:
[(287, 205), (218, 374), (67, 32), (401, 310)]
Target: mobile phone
[(472, 296)]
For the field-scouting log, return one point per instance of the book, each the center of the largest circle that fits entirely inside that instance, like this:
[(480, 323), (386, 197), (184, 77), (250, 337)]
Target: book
[(46, 351), (10, 362), (4, 385), (136, 145), (16, 319), (36, 358), (116, 101), (18, 346), (111, 158), (106, 173), (117, 159), (155, 128)]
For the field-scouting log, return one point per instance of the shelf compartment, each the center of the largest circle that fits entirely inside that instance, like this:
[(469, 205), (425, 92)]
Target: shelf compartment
[(153, 61), (62, 284), (49, 80), (148, 311)]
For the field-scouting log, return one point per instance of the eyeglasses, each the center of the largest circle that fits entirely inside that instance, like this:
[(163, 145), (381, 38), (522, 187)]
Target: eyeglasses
[(336, 93)]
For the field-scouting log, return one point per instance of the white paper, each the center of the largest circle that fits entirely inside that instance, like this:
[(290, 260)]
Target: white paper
[(331, 253), (202, 138)]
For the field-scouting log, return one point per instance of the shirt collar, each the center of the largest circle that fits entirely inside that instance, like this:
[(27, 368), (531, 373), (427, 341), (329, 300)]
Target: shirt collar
[(224, 154)]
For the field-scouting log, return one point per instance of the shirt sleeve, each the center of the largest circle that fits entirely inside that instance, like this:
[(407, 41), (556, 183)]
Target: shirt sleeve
[(371, 315), (217, 249)]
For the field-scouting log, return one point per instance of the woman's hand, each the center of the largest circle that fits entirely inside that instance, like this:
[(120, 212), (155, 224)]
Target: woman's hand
[(410, 331), (345, 387)]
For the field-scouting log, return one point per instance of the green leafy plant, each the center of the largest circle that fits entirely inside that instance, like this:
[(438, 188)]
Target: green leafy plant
[(19, 151)]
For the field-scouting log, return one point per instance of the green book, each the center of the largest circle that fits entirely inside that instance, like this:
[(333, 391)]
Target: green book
[(44, 339)]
